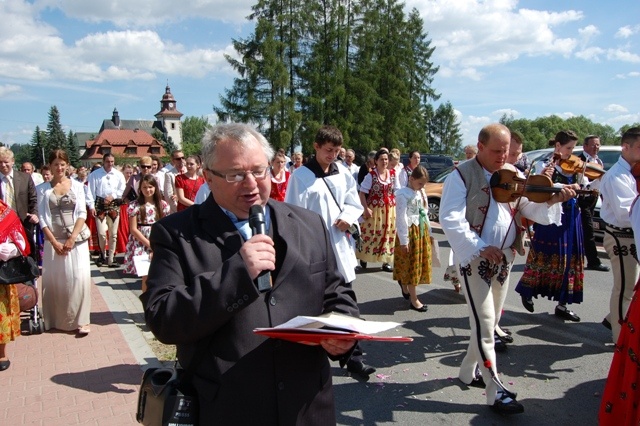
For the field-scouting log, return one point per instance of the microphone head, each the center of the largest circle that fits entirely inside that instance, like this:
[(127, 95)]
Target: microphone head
[(256, 210)]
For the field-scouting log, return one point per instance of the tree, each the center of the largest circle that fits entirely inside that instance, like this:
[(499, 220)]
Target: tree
[(37, 147), (56, 139), (72, 149), (193, 129), (445, 130), (21, 153)]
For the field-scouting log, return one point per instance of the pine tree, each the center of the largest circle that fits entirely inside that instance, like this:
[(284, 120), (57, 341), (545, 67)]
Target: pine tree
[(56, 139), (72, 149), (446, 131), (37, 147)]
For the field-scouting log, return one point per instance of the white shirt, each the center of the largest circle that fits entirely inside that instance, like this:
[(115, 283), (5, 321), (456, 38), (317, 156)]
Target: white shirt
[(37, 178), (498, 226), (202, 194), (103, 184), (408, 204), (618, 190), (634, 216), (4, 187), (305, 190)]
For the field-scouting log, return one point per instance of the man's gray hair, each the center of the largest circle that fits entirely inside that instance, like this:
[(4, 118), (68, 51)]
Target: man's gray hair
[(243, 134)]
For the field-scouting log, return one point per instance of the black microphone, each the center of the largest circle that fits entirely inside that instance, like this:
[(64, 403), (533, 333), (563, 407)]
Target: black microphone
[(259, 226)]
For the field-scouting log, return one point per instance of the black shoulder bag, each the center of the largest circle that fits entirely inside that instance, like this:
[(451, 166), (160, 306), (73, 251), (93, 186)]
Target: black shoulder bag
[(354, 228)]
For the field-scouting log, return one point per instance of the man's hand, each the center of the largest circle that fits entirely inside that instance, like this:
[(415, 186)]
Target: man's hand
[(341, 225), (492, 253), (258, 254), (335, 347), (33, 218), (566, 193)]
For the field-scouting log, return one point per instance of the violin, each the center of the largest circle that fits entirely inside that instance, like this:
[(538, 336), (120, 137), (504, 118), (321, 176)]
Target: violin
[(575, 164), (507, 186)]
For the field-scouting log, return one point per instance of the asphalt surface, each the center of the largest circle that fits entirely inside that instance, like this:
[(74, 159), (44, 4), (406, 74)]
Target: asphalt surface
[(557, 367)]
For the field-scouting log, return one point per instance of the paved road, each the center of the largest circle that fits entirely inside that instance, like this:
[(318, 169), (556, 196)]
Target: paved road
[(558, 368)]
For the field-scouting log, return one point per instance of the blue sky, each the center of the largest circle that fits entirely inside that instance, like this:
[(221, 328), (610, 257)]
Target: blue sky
[(526, 58)]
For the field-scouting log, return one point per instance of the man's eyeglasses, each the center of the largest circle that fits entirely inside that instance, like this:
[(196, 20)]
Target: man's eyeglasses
[(178, 158), (235, 177), (144, 166)]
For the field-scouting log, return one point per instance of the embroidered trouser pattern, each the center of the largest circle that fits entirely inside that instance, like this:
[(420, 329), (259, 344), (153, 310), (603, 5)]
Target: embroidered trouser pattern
[(104, 225), (486, 288), (621, 249)]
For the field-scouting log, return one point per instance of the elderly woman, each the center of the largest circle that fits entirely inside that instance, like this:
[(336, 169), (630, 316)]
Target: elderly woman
[(13, 242), (379, 202)]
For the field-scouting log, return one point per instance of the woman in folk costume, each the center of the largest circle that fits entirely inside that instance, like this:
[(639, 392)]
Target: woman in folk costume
[(555, 264), (279, 177), (412, 255), (379, 227), (621, 398), (13, 243)]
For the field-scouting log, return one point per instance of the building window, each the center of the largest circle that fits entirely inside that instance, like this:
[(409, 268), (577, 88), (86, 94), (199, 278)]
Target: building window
[(131, 150), (105, 150), (154, 150), (173, 126)]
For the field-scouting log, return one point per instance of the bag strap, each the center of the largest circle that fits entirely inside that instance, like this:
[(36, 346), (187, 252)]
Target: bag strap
[(332, 196)]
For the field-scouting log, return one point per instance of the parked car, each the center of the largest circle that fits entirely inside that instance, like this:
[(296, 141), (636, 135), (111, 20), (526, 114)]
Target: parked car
[(434, 163), (609, 155), (433, 188)]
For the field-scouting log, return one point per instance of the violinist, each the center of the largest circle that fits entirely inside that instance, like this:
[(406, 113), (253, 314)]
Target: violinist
[(590, 148), (555, 264), (484, 238), (618, 188)]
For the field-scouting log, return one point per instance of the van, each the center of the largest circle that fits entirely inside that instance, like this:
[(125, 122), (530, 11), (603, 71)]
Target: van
[(434, 163)]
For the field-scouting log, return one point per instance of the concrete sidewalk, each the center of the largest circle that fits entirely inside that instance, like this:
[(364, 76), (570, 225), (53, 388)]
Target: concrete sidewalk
[(56, 378)]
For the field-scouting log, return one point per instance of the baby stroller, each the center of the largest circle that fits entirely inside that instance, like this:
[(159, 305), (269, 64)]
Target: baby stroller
[(18, 268)]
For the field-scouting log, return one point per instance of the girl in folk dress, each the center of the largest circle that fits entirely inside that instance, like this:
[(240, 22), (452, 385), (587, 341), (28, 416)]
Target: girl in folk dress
[(279, 177), (144, 212), (378, 231), (412, 255), (188, 183), (555, 264)]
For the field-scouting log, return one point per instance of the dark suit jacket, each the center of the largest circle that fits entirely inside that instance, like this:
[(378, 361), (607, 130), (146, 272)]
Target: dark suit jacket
[(200, 294), (25, 193)]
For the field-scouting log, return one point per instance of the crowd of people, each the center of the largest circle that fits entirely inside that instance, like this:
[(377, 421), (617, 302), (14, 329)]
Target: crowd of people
[(203, 250)]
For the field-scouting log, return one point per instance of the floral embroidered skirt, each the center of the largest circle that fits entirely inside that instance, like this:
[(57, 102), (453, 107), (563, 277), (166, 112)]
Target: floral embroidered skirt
[(555, 264), (378, 235), (413, 268), (621, 395), (9, 313)]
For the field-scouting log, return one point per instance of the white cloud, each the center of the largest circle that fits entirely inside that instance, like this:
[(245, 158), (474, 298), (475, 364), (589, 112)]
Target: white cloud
[(472, 34), (7, 89), (505, 111), (590, 54), (587, 33), (631, 74), (623, 55), (143, 13), (615, 108), (627, 31), (33, 50)]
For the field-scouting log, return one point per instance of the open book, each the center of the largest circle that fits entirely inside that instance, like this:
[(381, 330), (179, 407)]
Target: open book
[(331, 326)]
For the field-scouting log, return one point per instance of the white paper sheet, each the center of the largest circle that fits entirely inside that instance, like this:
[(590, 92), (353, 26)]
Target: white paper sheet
[(141, 263), (342, 321)]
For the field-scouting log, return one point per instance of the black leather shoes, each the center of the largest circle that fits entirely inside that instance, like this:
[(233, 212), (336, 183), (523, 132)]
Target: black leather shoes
[(100, 261), (527, 303), (606, 323), (499, 345), (600, 267), (422, 308), (566, 313), (386, 267), (360, 368), (405, 295), (4, 365), (477, 382), (505, 404), (363, 265), (507, 338)]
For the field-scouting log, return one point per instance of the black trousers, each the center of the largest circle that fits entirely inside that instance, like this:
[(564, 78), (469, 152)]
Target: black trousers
[(590, 249)]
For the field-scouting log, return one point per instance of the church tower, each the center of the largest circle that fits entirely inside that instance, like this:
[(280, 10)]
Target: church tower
[(169, 116)]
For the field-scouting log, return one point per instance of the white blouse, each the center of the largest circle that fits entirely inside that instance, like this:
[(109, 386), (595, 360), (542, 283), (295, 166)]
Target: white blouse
[(408, 204)]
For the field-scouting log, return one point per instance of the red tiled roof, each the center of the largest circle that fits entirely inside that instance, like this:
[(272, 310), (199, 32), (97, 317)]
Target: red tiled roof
[(117, 137)]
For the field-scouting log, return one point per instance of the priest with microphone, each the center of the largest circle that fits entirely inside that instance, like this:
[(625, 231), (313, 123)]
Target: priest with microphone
[(239, 262)]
